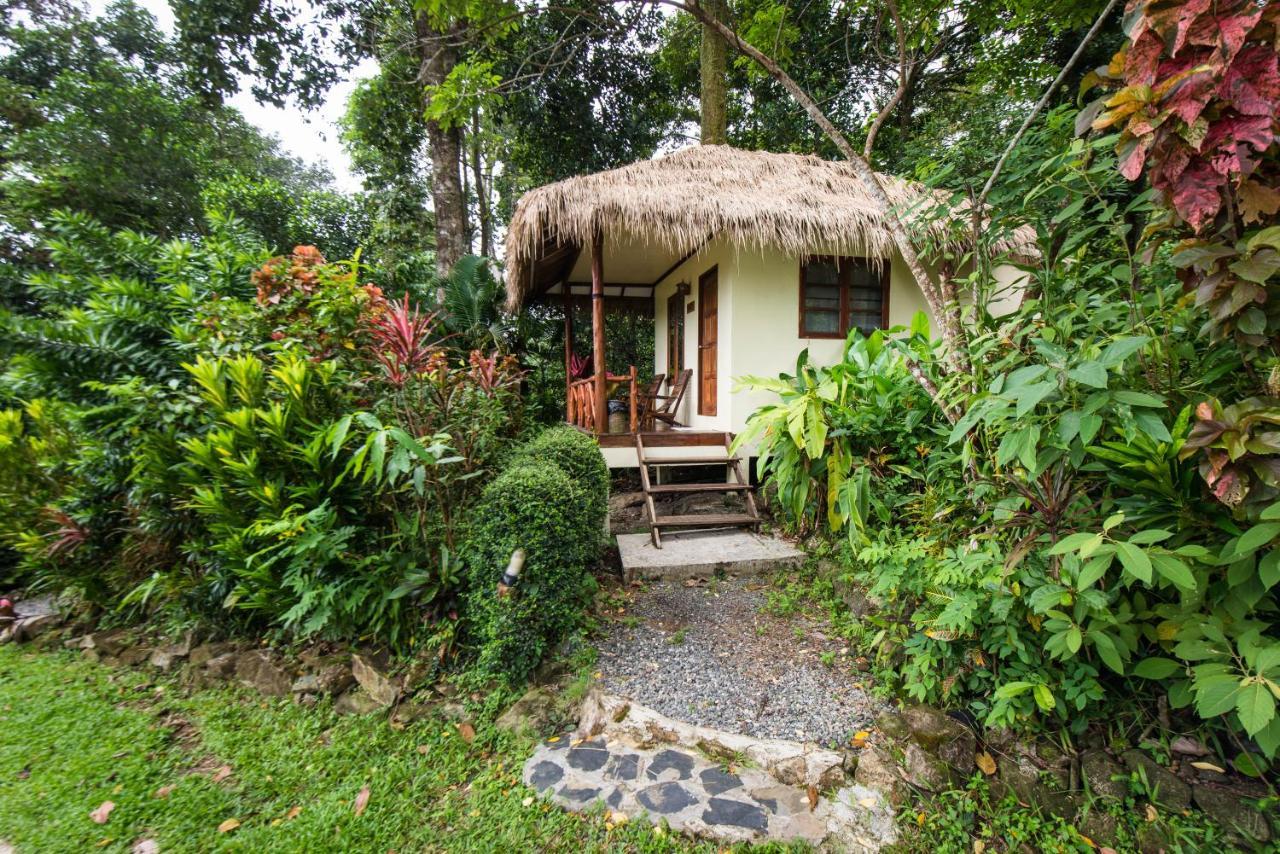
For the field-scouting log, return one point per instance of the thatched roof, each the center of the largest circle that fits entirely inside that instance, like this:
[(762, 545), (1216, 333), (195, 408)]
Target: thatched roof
[(795, 203)]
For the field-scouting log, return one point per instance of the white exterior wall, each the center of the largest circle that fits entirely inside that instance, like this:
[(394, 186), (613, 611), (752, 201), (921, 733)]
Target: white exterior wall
[(759, 322)]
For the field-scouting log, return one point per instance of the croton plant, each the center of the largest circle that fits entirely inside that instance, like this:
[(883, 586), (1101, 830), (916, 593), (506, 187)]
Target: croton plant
[(1195, 97)]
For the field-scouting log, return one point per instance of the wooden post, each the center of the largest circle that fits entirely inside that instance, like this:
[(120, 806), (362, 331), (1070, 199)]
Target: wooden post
[(635, 427), (597, 332), (568, 351)]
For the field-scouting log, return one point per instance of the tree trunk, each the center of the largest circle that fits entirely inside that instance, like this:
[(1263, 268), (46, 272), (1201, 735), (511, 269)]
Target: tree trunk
[(714, 58), (484, 211), (438, 53)]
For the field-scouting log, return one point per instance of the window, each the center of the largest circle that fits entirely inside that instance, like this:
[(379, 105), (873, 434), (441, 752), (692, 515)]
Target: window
[(839, 294)]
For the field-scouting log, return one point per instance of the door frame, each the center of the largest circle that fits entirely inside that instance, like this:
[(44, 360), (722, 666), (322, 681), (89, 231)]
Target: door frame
[(714, 274)]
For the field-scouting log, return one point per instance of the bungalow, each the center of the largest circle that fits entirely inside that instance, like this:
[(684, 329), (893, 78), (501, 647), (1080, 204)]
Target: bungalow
[(742, 258)]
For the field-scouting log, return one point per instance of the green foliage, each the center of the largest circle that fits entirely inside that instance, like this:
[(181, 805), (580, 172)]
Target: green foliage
[(1043, 547), (548, 504), (255, 440), (429, 787), (827, 436), (578, 456)]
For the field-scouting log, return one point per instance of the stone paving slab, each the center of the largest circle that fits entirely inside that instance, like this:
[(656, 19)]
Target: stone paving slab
[(694, 794), (704, 554)]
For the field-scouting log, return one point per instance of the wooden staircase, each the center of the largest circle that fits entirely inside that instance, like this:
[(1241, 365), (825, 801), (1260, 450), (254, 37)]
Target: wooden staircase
[(740, 484)]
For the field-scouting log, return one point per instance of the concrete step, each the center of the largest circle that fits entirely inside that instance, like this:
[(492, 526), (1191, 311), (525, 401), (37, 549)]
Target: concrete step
[(705, 554)]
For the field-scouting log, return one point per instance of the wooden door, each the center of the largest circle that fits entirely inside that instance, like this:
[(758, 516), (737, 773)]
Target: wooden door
[(708, 329)]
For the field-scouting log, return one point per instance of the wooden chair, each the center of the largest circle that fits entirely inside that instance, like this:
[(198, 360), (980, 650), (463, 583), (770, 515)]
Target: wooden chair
[(667, 405), (647, 401)]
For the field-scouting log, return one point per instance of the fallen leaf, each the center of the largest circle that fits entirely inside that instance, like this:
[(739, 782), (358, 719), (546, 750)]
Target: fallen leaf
[(1105, 850), (105, 841), (1088, 841), (146, 846), (619, 817), (813, 798), (229, 825), (362, 800), (860, 737), (424, 749), (527, 801), (467, 731), (1152, 815), (1208, 766), (163, 792), (222, 773), (118, 789), (869, 803), (986, 763), (102, 813), (979, 846), (293, 813), (553, 739)]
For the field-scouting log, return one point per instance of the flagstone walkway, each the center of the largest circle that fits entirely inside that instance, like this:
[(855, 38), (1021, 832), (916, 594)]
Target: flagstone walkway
[(725, 800)]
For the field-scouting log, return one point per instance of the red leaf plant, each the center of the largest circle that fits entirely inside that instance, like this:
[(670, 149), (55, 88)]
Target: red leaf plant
[(494, 372), (405, 340), (1196, 101)]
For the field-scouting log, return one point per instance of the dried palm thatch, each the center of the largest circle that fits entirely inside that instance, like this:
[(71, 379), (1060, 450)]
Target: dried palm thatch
[(793, 203)]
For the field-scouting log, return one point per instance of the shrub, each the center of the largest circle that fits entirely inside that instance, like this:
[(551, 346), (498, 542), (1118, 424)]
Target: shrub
[(577, 455), (543, 510)]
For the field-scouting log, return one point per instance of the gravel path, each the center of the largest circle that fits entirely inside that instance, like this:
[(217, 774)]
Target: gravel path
[(710, 655)]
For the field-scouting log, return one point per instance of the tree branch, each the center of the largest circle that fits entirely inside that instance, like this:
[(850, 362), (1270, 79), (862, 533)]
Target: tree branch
[(1044, 99)]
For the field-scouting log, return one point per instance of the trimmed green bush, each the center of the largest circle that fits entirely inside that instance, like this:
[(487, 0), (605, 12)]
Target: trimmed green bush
[(578, 456), (541, 509)]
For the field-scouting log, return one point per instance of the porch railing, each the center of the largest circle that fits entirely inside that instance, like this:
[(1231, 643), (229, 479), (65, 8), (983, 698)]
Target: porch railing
[(581, 401)]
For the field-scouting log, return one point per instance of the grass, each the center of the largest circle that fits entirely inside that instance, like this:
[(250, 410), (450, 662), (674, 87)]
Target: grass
[(75, 734)]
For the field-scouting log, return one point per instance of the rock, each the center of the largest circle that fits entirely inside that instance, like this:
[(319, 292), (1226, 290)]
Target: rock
[(356, 702), (258, 669), (893, 725), (381, 688), (307, 701), (947, 738), (532, 713), (222, 666), (1230, 811), (134, 655), (333, 679), (926, 771), (206, 652), (1167, 790), (30, 628), (452, 710), (791, 770), (1100, 826), (1098, 772), (1188, 747), (878, 770), (1036, 787), (109, 642), (164, 657)]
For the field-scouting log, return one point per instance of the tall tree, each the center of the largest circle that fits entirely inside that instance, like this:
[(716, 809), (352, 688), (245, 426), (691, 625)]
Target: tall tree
[(438, 44), (713, 76)]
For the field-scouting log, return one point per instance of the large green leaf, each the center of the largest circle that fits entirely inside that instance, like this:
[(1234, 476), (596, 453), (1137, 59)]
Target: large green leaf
[(1134, 560), (1256, 706)]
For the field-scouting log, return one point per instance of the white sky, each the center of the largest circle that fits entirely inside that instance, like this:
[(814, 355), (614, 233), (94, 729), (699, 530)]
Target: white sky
[(311, 136)]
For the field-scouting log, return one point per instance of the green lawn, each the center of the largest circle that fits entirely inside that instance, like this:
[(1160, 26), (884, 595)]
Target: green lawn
[(75, 734)]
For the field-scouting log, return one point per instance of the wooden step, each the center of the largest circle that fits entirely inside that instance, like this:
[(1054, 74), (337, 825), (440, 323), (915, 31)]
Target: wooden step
[(688, 461), (699, 487), (705, 520)]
